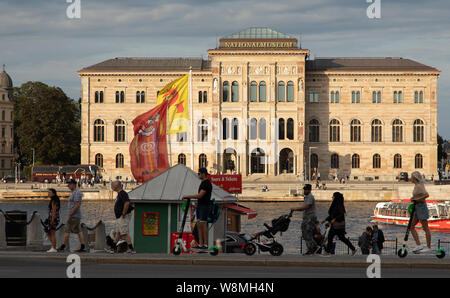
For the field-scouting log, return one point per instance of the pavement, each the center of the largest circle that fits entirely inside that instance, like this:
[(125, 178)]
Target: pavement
[(262, 260)]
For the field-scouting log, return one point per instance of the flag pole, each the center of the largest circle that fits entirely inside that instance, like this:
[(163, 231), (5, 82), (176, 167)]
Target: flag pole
[(191, 107), (169, 144)]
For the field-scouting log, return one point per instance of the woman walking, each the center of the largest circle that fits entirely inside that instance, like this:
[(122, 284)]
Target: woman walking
[(421, 212), (53, 218), (336, 217)]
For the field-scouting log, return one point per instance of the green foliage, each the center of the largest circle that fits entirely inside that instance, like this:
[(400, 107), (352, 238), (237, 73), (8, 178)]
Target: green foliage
[(441, 152), (48, 121)]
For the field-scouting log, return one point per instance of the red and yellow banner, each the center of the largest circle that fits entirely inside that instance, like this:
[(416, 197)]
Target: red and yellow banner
[(148, 150), (176, 93)]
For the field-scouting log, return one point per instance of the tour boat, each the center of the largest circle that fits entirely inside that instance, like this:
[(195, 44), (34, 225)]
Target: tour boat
[(396, 213)]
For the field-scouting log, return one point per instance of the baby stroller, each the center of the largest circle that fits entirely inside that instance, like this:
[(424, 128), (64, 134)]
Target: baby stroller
[(324, 242), (268, 242)]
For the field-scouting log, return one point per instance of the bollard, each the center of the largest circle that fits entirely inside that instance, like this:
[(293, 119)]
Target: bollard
[(34, 236), (100, 237), (84, 230), (2, 231), (60, 238)]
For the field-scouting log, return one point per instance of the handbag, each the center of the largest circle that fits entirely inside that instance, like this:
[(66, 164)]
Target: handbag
[(338, 225)]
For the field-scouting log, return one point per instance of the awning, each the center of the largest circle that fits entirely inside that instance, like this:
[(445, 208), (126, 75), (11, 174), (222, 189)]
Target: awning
[(243, 210)]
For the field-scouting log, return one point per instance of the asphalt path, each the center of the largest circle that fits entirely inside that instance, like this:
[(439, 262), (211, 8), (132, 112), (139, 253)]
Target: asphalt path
[(44, 268)]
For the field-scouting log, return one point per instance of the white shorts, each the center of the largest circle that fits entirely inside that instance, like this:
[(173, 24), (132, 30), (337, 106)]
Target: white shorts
[(122, 225)]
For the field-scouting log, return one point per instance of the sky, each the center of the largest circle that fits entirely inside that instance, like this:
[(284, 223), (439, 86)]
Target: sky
[(39, 42)]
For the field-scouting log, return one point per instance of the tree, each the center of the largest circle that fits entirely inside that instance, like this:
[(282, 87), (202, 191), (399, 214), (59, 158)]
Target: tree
[(441, 153), (48, 121)]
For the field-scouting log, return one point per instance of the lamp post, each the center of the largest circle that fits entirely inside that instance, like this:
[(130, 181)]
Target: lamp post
[(33, 156), (309, 161)]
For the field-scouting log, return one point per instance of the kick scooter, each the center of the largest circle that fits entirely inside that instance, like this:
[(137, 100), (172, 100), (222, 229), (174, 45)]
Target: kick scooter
[(403, 252), (180, 246)]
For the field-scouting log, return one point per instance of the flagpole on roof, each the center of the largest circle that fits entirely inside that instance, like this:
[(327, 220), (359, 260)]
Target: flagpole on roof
[(192, 117)]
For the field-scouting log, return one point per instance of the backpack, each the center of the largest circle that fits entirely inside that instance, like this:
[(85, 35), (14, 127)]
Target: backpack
[(214, 211)]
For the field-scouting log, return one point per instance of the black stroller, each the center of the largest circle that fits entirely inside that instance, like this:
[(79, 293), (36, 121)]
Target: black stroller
[(268, 242)]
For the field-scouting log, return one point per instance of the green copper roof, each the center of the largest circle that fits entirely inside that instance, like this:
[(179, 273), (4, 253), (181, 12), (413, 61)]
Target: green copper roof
[(259, 33)]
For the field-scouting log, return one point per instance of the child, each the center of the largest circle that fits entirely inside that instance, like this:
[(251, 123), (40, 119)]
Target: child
[(365, 241)]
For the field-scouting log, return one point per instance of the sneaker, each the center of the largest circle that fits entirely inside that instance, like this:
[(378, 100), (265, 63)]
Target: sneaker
[(61, 249), (417, 249), (131, 251), (425, 250), (52, 250), (82, 249)]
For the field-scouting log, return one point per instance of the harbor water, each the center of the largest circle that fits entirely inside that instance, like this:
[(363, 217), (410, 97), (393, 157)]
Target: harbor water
[(357, 219)]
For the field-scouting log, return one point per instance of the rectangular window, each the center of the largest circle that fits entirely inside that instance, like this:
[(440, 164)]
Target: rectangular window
[(314, 96)]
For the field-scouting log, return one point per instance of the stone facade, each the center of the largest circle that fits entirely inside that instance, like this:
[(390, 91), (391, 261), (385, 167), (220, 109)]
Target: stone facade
[(6, 125), (267, 93)]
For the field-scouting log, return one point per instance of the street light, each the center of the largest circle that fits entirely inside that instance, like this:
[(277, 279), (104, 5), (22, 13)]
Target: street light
[(33, 156), (309, 161)]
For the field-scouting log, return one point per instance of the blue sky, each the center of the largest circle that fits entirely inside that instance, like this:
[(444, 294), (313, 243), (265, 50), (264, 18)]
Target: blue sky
[(39, 43)]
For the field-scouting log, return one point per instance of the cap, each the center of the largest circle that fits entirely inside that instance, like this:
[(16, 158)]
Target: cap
[(307, 187), (71, 181), (203, 171)]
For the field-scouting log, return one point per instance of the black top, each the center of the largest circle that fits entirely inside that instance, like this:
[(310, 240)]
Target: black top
[(58, 205), (336, 212), (207, 186), (122, 197)]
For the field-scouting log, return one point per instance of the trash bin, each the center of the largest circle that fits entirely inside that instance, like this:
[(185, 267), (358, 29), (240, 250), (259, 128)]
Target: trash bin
[(16, 228)]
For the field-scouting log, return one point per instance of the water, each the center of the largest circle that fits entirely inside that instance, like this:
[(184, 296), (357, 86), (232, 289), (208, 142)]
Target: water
[(357, 219)]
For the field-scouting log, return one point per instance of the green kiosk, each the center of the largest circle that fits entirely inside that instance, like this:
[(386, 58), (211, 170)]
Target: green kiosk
[(158, 215)]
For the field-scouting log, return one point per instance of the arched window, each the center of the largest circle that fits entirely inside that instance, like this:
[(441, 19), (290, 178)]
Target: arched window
[(202, 161), (99, 130), (257, 161), (376, 131), (143, 97), (281, 91), (253, 129), (119, 161), (290, 129), (122, 96), (397, 131), (99, 160), (332, 97), (97, 97), (286, 161), (335, 131), (416, 97), (235, 92), (200, 96), (421, 97), (226, 92), (117, 97), (334, 161), (376, 161), (205, 96), (336, 97), (225, 128), (418, 130), (290, 91), (314, 131), (281, 129), (355, 161), (119, 131), (235, 129), (379, 97), (203, 131), (262, 129), (253, 91), (374, 97), (400, 96), (138, 97), (101, 96), (418, 161), (356, 96), (3, 116), (182, 159), (355, 131), (397, 161), (262, 91)]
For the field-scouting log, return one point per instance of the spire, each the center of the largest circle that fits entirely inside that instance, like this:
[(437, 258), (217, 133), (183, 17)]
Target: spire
[(3, 67)]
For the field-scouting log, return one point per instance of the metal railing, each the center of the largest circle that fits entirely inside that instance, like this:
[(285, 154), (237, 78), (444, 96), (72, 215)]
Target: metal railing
[(390, 246)]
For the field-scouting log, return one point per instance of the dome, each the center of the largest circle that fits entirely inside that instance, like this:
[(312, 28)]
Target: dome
[(5, 79)]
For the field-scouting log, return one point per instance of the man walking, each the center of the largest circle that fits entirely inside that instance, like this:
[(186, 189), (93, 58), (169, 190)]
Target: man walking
[(74, 216), (203, 207), (309, 219), (122, 211)]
